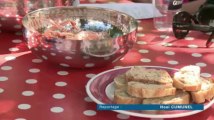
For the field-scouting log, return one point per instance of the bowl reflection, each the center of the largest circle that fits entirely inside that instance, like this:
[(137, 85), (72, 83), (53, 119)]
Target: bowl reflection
[(79, 37)]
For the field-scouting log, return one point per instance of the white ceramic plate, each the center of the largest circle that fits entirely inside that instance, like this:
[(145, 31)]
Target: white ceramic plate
[(101, 90)]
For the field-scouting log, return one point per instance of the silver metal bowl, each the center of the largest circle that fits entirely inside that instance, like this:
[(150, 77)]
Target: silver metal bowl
[(79, 37)]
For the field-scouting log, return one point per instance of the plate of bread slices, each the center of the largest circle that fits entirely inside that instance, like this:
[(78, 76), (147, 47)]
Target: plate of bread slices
[(152, 85)]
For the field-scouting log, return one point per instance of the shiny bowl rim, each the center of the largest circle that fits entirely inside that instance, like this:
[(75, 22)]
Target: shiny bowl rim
[(78, 7)]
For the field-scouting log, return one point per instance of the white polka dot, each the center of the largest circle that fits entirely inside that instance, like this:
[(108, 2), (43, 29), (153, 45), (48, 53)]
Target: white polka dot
[(8, 58), (88, 99), (18, 19), (20, 119), (170, 53), (58, 96), (62, 73), (143, 51), (212, 40), (118, 66), (164, 36), (201, 64), (208, 33), (111, 2), (53, 54), (139, 21), (172, 62), (156, 119), (3, 78), (17, 16), (106, 58), (27, 93), (196, 55), (44, 49), (31, 81), (189, 38), (36, 49), (24, 106), (167, 44), (44, 57), (89, 65), (92, 1), (17, 26), (122, 58), (34, 70), (89, 112), (122, 116), (141, 42), (145, 60), (68, 57), (122, 51), (16, 41), (6, 68), (90, 75), (140, 28), (3, 18), (18, 33), (1, 90), (73, 52), (117, 59), (37, 60), (64, 65), (192, 46), (13, 49), (60, 84), (206, 75), (140, 35), (86, 57), (57, 109)]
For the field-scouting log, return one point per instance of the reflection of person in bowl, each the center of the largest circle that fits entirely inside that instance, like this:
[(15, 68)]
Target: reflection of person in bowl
[(100, 48), (99, 38), (69, 30), (62, 45)]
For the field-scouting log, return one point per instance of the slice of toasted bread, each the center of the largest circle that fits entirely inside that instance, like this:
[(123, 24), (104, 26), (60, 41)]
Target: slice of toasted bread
[(148, 75), (191, 70), (188, 78), (122, 97), (206, 92), (180, 97), (120, 82), (144, 90), (211, 79)]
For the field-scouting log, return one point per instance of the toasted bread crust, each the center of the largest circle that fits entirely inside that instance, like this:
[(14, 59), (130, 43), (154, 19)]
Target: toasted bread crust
[(188, 78), (180, 97), (121, 97), (187, 87), (211, 79), (204, 94), (120, 82), (140, 90)]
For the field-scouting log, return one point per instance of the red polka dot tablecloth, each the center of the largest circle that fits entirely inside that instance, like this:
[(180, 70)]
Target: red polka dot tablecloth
[(32, 89)]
